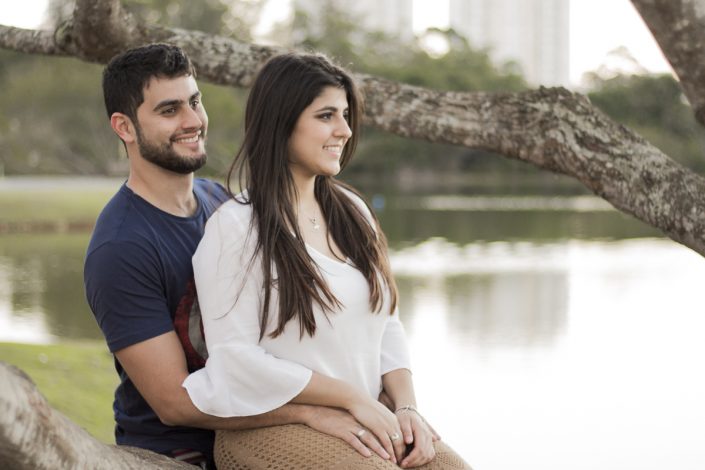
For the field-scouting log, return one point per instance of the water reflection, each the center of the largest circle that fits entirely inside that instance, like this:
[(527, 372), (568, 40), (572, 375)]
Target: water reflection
[(43, 279), (468, 220), (530, 350), (508, 309)]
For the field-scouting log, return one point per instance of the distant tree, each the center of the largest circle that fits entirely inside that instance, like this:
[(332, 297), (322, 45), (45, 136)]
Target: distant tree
[(51, 111), (230, 18), (552, 128), (388, 157), (654, 106)]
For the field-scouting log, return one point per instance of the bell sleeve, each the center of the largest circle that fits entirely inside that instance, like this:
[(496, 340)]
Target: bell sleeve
[(240, 378)]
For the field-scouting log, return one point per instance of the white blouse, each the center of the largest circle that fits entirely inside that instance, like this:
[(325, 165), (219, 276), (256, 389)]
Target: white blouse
[(244, 376)]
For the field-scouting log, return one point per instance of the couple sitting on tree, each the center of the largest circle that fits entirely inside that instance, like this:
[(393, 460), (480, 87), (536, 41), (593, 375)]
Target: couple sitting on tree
[(293, 349)]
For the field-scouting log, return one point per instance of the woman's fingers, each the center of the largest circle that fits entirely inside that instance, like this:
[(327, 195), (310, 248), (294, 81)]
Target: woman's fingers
[(405, 425), (423, 451), (357, 444), (369, 441), (419, 455), (398, 442), (383, 424)]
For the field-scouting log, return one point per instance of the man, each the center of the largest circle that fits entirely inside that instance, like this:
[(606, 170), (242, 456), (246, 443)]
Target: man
[(138, 274)]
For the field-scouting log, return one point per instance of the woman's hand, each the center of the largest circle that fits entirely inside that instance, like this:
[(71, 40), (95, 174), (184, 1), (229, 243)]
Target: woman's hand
[(338, 423), (418, 433), (381, 422)]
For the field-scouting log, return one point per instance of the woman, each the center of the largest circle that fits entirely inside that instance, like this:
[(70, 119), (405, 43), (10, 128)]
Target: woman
[(295, 288)]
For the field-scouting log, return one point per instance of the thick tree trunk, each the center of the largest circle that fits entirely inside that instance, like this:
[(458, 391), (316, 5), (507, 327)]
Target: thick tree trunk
[(679, 28), (34, 436), (551, 128)]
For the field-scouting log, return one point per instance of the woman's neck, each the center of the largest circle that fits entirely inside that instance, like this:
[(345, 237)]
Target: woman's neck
[(305, 195)]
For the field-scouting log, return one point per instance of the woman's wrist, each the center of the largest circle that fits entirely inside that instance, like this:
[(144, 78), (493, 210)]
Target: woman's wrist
[(353, 397), (406, 408), (409, 409)]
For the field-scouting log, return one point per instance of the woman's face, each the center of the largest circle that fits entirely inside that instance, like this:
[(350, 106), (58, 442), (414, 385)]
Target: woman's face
[(320, 133)]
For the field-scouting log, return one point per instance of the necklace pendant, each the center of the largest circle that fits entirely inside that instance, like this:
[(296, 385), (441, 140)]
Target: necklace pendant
[(314, 222)]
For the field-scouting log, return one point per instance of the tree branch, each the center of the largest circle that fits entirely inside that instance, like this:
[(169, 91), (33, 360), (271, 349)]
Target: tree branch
[(558, 131), (553, 129), (34, 436), (29, 41), (679, 28)]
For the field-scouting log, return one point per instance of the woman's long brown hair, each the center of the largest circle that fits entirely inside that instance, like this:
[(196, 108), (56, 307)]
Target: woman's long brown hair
[(284, 87)]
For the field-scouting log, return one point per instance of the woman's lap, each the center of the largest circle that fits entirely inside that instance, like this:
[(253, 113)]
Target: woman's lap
[(296, 446)]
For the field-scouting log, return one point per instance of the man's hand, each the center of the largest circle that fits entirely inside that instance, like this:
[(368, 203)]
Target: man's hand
[(341, 424)]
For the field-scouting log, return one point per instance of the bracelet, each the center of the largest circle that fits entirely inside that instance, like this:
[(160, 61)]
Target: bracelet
[(407, 408), (410, 408)]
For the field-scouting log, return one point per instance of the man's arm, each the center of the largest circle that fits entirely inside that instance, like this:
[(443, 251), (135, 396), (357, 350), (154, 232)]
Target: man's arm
[(157, 367)]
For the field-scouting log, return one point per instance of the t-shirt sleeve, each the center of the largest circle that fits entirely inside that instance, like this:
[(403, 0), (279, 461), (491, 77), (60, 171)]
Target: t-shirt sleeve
[(125, 293), (240, 378), (395, 349)]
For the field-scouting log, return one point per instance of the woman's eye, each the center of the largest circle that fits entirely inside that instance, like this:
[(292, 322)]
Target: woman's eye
[(325, 116)]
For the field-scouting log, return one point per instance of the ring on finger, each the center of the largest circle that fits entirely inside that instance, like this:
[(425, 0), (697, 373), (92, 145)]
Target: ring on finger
[(394, 436), (360, 433)]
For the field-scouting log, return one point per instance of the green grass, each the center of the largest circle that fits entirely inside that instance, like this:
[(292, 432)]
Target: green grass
[(53, 205), (77, 378)]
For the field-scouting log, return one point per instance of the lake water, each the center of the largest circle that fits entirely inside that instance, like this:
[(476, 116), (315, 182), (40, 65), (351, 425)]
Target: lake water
[(546, 334)]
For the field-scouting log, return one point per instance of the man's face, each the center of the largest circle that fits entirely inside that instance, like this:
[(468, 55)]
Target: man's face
[(171, 124)]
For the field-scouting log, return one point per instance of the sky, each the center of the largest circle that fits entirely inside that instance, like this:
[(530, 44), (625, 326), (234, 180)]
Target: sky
[(596, 28)]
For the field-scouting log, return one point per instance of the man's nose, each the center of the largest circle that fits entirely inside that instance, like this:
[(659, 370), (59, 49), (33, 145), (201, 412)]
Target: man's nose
[(194, 119)]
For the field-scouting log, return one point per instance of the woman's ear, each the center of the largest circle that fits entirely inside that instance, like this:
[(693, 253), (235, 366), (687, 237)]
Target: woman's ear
[(123, 127)]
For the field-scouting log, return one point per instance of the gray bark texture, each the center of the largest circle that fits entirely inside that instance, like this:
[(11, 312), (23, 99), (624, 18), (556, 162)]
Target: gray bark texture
[(679, 29), (34, 436), (551, 128)]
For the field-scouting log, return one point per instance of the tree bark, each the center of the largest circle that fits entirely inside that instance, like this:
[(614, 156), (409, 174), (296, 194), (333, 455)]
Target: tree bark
[(34, 436), (679, 29), (553, 129)]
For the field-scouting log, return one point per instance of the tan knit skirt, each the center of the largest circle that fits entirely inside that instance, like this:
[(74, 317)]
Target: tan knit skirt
[(298, 447)]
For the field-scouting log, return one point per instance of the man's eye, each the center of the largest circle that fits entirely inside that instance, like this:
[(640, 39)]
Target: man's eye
[(195, 103), (168, 110)]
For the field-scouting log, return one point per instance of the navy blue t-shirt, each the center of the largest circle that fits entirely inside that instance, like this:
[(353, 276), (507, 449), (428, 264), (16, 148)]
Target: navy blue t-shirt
[(139, 285)]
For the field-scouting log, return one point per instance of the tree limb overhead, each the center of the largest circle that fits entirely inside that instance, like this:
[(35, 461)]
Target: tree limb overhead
[(553, 129)]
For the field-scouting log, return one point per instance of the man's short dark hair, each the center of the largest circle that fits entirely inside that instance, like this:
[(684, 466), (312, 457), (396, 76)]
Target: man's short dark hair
[(125, 77)]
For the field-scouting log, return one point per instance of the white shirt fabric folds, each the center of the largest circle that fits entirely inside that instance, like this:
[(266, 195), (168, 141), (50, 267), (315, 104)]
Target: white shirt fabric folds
[(246, 376)]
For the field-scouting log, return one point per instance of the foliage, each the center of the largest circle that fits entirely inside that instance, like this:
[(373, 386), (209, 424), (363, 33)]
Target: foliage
[(76, 378), (654, 106), (54, 121), (51, 121), (384, 159), (231, 18)]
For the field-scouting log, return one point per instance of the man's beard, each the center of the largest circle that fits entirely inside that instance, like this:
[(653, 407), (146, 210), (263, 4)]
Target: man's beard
[(164, 156)]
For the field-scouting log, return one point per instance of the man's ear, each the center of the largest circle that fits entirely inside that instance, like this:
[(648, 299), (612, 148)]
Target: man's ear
[(123, 127)]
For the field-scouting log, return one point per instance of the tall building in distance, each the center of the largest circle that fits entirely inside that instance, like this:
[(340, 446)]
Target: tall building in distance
[(533, 33), (394, 17)]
